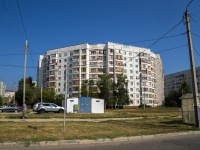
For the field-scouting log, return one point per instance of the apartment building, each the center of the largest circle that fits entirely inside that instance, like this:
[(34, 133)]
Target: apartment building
[(82, 62), (2, 88), (174, 81)]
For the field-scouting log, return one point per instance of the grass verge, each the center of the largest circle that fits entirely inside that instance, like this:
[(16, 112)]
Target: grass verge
[(51, 131), (110, 113)]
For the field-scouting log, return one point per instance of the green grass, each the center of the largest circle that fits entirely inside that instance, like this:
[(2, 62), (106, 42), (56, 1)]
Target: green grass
[(109, 113), (51, 131)]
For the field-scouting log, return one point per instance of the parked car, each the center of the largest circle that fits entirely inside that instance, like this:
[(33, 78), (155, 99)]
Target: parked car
[(49, 107), (10, 108), (35, 106)]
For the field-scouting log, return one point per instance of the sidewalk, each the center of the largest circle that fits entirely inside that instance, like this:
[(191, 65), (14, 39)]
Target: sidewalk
[(67, 119)]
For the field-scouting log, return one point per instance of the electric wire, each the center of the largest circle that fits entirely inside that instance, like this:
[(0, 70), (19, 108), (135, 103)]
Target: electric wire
[(171, 48), (196, 51), (61, 52), (25, 32), (22, 19), (88, 64), (196, 35), (158, 39)]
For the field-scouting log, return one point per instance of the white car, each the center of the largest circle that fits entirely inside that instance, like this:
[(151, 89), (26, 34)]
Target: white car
[(49, 107)]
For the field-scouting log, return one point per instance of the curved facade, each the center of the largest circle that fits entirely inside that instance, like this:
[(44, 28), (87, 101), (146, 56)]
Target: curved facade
[(84, 62)]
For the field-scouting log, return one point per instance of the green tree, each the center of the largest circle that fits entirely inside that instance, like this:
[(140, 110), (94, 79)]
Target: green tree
[(121, 96), (172, 99), (105, 86), (29, 93), (1, 100), (84, 88), (88, 88), (49, 95), (59, 98), (184, 89)]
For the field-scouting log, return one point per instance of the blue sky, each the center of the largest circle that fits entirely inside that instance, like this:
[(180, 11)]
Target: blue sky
[(52, 24)]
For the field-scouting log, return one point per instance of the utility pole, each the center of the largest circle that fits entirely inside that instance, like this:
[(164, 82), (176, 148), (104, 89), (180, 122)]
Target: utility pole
[(193, 71), (141, 88), (14, 94), (65, 102), (114, 74), (41, 92), (24, 86)]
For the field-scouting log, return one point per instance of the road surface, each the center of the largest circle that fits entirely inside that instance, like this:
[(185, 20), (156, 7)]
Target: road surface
[(181, 142)]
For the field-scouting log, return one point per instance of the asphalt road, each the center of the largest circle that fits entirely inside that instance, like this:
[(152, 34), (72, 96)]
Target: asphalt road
[(182, 142)]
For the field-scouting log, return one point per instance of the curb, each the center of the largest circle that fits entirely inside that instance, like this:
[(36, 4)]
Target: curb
[(87, 141)]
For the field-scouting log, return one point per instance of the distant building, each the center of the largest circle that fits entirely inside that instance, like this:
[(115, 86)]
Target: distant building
[(86, 62), (35, 82), (174, 81), (2, 88), (9, 96)]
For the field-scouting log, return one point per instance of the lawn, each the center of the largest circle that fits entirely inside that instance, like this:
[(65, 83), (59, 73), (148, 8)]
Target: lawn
[(51, 131), (154, 121), (109, 113)]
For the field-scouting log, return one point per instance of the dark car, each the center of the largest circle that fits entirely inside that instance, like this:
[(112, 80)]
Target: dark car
[(10, 108)]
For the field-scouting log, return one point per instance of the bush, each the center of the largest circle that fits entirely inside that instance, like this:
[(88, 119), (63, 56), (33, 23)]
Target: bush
[(1, 100), (142, 106)]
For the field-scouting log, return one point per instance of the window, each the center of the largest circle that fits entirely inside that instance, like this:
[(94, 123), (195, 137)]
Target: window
[(76, 51), (65, 60), (136, 66), (83, 51), (131, 89), (53, 55), (136, 60)]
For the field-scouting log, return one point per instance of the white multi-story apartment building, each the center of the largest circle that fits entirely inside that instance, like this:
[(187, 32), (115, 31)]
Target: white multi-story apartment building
[(174, 81), (87, 62), (2, 88)]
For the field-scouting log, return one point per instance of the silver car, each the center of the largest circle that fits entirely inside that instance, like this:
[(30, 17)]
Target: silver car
[(49, 107), (10, 108), (35, 106)]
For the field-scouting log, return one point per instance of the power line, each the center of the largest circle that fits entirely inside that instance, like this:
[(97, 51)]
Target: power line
[(22, 19), (171, 48), (159, 39), (196, 50), (196, 35), (156, 38), (60, 52), (14, 66)]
